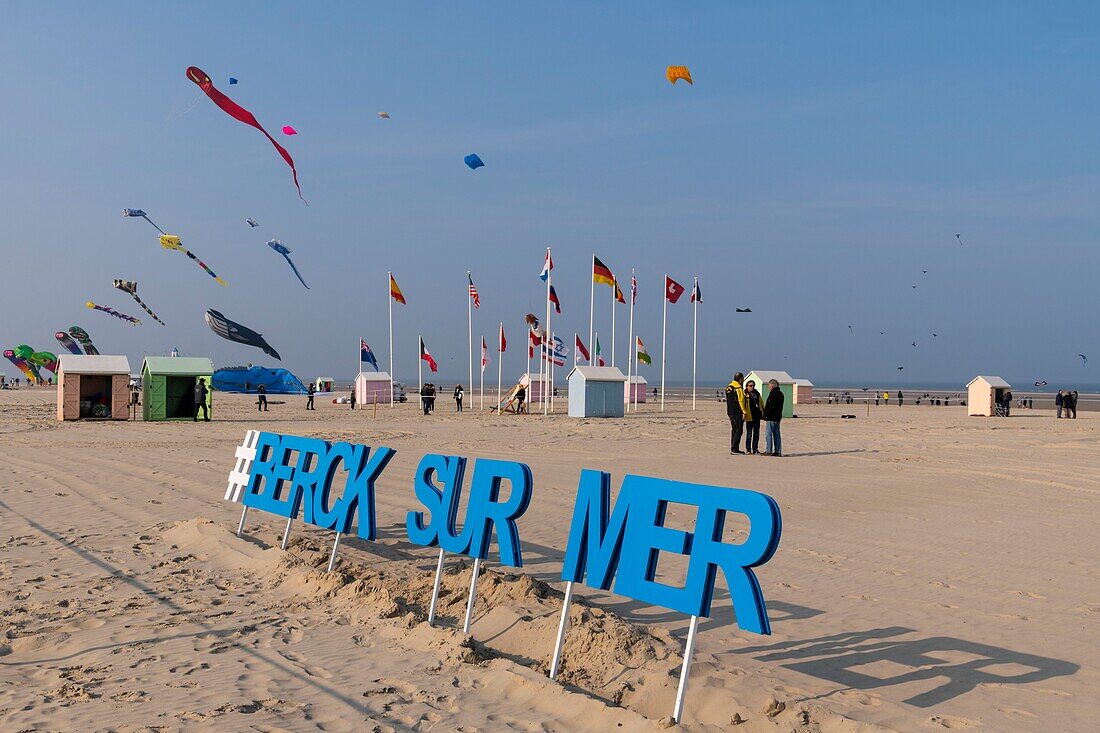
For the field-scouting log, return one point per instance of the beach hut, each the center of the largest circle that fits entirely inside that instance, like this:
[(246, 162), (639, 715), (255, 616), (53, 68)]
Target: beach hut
[(168, 386), (324, 384), (93, 387), (984, 393), (786, 386), (536, 387), (372, 388), (803, 392), (596, 392), (634, 390)]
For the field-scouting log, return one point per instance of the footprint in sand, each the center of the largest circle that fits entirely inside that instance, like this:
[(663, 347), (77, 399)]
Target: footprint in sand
[(1027, 594), (953, 722)]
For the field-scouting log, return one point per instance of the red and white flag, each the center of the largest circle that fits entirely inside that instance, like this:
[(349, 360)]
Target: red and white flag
[(484, 354), (673, 290), (502, 345), (427, 357), (580, 348), (473, 291)]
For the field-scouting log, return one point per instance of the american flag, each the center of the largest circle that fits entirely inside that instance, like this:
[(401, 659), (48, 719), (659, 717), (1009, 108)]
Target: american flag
[(473, 291), (633, 289)]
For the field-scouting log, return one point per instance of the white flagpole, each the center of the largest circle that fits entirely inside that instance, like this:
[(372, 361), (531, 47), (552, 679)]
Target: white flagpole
[(664, 350), (576, 338), (547, 357), (470, 328), (389, 297), (420, 366), (694, 337), (630, 342), (591, 309), (614, 302), (500, 361)]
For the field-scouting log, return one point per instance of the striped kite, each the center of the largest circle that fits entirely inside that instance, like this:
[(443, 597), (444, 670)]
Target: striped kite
[(111, 311), (129, 286), (171, 241), (84, 340)]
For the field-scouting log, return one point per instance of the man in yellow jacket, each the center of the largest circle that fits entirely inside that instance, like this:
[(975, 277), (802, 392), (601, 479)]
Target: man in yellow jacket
[(737, 408)]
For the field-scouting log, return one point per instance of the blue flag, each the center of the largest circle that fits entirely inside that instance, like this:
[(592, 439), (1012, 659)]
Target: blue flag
[(366, 355)]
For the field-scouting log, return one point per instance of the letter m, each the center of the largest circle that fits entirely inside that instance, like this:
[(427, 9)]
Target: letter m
[(595, 539)]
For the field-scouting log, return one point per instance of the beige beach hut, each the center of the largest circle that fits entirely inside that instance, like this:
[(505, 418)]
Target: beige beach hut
[(983, 393), (373, 388), (803, 392), (93, 387)]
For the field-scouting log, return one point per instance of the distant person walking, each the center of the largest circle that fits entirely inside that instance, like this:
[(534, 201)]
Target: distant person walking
[(752, 422), (901, 398), (200, 400), (261, 398), (309, 398), (458, 397), (886, 398), (773, 413), (521, 400), (737, 409), (352, 397), (424, 398)]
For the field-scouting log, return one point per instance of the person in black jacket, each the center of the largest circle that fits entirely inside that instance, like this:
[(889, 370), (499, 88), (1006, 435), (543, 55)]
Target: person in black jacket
[(773, 413), (261, 398), (309, 399), (752, 425)]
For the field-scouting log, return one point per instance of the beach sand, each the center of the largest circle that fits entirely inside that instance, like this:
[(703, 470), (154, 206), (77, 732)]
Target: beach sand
[(936, 571)]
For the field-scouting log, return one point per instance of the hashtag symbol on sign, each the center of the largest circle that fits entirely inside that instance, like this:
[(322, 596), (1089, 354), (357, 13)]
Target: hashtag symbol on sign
[(242, 469)]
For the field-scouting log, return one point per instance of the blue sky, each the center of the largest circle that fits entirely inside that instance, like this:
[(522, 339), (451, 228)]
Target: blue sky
[(824, 157)]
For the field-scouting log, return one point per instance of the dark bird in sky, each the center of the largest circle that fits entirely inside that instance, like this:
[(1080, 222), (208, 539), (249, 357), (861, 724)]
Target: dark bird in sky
[(925, 271), (900, 368), (744, 310)]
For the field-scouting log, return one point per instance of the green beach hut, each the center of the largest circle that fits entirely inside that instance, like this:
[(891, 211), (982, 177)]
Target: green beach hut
[(168, 386), (786, 386)]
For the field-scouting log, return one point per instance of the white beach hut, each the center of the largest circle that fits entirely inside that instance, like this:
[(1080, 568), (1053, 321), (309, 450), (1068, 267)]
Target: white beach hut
[(596, 392), (983, 394)]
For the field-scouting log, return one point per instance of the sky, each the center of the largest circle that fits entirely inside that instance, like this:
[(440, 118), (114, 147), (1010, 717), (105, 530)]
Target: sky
[(825, 155)]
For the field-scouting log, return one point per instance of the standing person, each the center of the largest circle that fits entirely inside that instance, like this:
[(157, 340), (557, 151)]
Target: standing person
[(521, 397), (352, 400), (424, 398), (901, 398), (309, 398), (752, 422), (773, 413), (886, 397), (261, 398), (458, 397), (431, 397), (1006, 400), (1073, 403), (200, 400), (1059, 399), (737, 410)]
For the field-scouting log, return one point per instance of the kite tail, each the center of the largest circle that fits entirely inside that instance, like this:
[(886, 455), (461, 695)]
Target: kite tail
[(146, 218), (146, 308)]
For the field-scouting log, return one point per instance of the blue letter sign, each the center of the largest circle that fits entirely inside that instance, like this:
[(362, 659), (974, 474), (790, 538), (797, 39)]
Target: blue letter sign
[(484, 512), (623, 547), (285, 485)]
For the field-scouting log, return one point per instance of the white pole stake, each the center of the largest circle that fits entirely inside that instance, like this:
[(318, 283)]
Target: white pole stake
[(332, 558), (470, 330), (286, 534), (694, 338), (389, 299), (473, 592), (500, 362), (554, 663), (435, 588), (591, 309), (240, 526), (664, 324), (677, 713)]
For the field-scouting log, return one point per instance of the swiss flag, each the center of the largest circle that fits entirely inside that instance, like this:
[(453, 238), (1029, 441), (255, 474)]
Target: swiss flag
[(673, 290)]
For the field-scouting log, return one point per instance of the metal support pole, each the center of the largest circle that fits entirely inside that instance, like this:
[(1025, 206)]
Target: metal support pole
[(677, 713), (435, 588), (473, 592), (286, 534), (332, 558), (554, 665), (240, 527)]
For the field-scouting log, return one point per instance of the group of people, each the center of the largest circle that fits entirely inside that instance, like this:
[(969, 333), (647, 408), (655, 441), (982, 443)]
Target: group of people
[(746, 409), (427, 398), (1066, 401), (6, 383)]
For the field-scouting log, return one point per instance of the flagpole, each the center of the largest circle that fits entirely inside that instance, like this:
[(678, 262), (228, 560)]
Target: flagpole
[(591, 308), (470, 328), (694, 337), (664, 350), (576, 338), (481, 398), (389, 298), (549, 342), (500, 362), (629, 347), (420, 366), (614, 302)]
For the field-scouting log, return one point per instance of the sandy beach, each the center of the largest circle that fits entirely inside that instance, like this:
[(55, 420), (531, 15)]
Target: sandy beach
[(936, 571)]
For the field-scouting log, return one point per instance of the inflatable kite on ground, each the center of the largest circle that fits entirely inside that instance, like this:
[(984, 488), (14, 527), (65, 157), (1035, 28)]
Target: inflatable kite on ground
[(21, 364), (233, 331), (251, 222), (676, 73), (474, 161), (84, 340), (129, 286), (384, 115), (171, 241), (143, 215), (240, 114), (67, 341), (129, 319), (278, 246)]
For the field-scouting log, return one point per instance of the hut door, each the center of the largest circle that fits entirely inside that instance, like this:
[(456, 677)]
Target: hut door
[(155, 398), (120, 397), (71, 396)]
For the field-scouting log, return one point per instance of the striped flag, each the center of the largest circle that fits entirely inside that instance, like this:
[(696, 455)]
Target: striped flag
[(484, 354), (633, 290), (473, 291), (427, 357), (395, 292), (696, 293), (643, 356), (599, 359), (601, 273), (580, 347), (547, 266), (619, 294), (554, 300)]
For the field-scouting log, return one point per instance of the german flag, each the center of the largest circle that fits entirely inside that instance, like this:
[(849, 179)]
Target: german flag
[(601, 273), (395, 292)]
